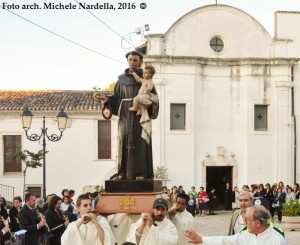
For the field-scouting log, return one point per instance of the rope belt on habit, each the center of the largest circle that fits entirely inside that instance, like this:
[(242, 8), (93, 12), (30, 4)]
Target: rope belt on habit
[(120, 106)]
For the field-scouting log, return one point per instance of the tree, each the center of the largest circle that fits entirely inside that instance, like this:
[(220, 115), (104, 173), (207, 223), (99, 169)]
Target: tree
[(31, 160), (110, 87), (161, 173), (99, 188)]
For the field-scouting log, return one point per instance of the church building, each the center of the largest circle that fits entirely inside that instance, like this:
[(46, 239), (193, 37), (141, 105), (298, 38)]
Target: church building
[(229, 110)]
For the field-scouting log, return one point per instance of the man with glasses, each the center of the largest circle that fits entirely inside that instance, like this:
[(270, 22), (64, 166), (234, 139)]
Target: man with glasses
[(259, 232), (237, 222)]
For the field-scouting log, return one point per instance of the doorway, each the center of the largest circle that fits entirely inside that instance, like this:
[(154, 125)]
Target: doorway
[(217, 177)]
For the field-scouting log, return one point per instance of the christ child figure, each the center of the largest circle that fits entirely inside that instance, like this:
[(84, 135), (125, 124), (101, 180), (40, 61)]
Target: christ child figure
[(143, 97)]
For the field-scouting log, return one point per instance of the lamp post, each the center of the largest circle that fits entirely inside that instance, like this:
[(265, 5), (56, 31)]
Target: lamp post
[(26, 123), (130, 40)]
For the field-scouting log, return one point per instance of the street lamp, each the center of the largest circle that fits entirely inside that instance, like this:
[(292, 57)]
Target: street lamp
[(26, 123), (130, 40)]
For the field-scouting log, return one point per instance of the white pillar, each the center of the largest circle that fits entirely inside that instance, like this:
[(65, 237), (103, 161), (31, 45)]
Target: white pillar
[(283, 133)]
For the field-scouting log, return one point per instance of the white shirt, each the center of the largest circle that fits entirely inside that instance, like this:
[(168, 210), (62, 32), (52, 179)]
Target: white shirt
[(268, 237), (87, 234), (120, 225), (239, 224), (183, 221), (289, 197), (64, 207), (164, 233)]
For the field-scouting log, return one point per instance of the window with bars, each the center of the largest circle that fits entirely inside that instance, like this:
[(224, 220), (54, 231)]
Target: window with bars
[(104, 139), (216, 44), (261, 117), (11, 143), (177, 116)]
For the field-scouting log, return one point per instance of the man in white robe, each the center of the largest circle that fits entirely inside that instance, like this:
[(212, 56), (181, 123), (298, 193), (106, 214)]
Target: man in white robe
[(259, 232), (154, 228), (89, 229), (181, 218), (120, 225)]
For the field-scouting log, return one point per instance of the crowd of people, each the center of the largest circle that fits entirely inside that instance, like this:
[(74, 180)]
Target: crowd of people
[(62, 221), (203, 202), (44, 222), (51, 223)]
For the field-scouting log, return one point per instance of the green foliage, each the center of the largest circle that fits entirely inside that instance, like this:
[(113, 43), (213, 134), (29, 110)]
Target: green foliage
[(99, 188), (161, 173), (291, 208), (110, 87), (31, 159)]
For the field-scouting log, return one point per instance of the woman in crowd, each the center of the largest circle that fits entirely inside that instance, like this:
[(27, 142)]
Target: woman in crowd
[(55, 220), (235, 194), (65, 192), (70, 214), (212, 203), (180, 190), (191, 207), (281, 185), (3, 210), (173, 196), (268, 195), (202, 199), (290, 195), (13, 214), (228, 197), (65, 204), (40, 203), (255, 191), (262, 190), (279, 199)]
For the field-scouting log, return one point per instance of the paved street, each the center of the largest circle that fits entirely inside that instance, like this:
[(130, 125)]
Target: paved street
[(219, 224)]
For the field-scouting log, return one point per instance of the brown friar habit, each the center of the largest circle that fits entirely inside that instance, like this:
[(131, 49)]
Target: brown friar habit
[(134, 154)]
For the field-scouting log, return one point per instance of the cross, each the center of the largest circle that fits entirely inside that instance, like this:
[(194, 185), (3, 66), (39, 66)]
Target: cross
[(259, 117), (126, 202), (177, 115)]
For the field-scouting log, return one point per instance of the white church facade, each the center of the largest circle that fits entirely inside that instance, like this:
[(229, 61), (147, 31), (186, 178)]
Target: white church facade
[(229, 109), (229, 96)]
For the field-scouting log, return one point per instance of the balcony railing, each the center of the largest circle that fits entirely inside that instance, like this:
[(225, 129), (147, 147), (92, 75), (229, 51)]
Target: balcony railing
[(8, 192)]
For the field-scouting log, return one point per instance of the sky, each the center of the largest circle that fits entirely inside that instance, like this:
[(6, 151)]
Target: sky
[(77, 49)]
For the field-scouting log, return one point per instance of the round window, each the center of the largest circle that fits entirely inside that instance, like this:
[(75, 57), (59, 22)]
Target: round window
[(216, 44)]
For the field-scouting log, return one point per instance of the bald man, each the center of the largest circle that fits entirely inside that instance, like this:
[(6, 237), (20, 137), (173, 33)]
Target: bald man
[(259, 232)]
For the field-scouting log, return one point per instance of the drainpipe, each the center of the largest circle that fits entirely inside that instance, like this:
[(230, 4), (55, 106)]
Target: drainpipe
[(295, 127)]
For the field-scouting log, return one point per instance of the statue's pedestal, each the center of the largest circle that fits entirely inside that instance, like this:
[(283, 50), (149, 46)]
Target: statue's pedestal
[(129, 196), (129, 186)]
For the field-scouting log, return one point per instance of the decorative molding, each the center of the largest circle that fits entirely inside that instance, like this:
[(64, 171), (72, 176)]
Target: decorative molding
[(291, 61), (220, 160), (284, 85)]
